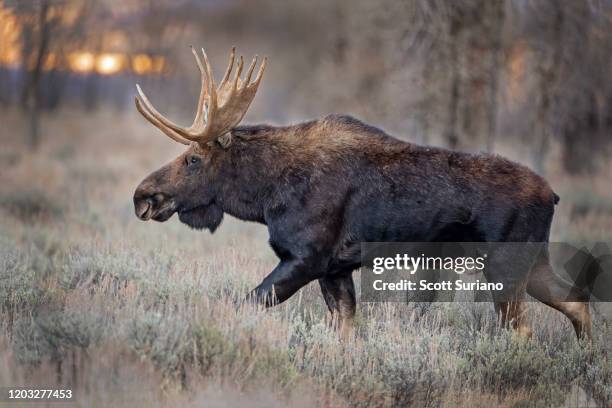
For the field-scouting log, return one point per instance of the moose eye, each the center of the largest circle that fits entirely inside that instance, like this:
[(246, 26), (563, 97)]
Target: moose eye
[(193, 160)]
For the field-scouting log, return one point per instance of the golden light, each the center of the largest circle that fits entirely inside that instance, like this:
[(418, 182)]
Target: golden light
[(142, 64), (10, 31), (50, 62), (81, 61), (10, 57), (108, 64), (159, 63)]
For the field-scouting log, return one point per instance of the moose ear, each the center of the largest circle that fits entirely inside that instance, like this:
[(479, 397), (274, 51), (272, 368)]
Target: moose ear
[(203, 217), (225, 140)]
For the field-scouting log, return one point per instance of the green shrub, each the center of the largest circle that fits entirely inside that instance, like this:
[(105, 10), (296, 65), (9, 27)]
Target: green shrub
[(545, 371), (50, 335), (32, 204), (30, 346), (506, 362), (23, 278)]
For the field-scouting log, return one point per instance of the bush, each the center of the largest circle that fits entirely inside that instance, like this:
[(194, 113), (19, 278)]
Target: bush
[(23, 274), (29, 205), (179, 346), (50, 335), (181, 317)]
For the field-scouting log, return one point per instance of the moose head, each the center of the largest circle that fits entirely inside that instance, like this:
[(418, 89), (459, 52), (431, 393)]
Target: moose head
[(189, 184)]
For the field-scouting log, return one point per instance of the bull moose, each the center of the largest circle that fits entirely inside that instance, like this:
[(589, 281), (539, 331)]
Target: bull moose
[(324, 186)]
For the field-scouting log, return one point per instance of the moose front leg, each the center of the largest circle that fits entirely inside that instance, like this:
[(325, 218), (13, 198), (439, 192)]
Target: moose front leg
[(286, 279)]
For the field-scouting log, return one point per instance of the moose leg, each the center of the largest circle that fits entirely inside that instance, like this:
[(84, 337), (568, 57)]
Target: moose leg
[(578, 313), (510, 265), (552, 290), (513, 314), (510, 303), (286, 279), (339, 295)]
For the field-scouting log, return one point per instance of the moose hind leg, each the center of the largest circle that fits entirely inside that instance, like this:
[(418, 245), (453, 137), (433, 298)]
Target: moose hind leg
[(579, 314), (508, 268), (513, 314), (554, 291), (339, 295)]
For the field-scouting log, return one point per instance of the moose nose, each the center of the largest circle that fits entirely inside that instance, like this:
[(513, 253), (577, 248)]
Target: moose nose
[(143, 204), (143, 210)]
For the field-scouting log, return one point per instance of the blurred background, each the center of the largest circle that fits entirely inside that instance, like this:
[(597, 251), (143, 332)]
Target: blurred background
[(523, 78), (521, 75)]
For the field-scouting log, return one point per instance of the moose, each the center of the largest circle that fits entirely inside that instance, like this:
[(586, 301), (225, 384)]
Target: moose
[(324, 186)]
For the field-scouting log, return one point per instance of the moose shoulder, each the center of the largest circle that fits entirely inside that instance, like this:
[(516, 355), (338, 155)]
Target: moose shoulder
[(324, 186)]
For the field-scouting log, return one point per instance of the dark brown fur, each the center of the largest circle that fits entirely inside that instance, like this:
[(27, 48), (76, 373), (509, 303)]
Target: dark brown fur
[(323, 187)]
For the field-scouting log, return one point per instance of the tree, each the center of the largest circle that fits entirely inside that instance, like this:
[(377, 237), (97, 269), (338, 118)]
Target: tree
[(36, 38)]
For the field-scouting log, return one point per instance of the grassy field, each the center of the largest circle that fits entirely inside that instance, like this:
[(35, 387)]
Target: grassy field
[(127, 313)]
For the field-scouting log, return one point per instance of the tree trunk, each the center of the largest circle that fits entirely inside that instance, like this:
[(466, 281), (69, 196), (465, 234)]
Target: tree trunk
[(548, 72), (32, 91), (493, 82), (450, 134)]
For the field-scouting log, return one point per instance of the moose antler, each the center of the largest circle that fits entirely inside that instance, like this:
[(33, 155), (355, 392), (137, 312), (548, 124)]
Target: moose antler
[(218, 111)]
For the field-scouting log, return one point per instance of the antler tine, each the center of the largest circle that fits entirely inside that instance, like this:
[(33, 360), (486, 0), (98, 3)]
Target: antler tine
[(230, 66), (250, 71), (238, 73), (198, 122), (212, 92), (155, 113), (169, 132), (260, 73)]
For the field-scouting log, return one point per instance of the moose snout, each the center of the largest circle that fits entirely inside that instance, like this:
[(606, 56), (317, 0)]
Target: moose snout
[(143, 204), (145, 200), (152, 204), (143, 209)]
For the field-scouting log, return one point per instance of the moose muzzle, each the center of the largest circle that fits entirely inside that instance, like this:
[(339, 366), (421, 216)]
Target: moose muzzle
[(156, 206)]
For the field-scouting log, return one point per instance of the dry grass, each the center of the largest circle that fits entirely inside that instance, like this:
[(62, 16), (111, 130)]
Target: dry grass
[(129, 313)]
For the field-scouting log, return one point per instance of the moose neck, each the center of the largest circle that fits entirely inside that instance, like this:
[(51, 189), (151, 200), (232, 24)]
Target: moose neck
[(248, 171)]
